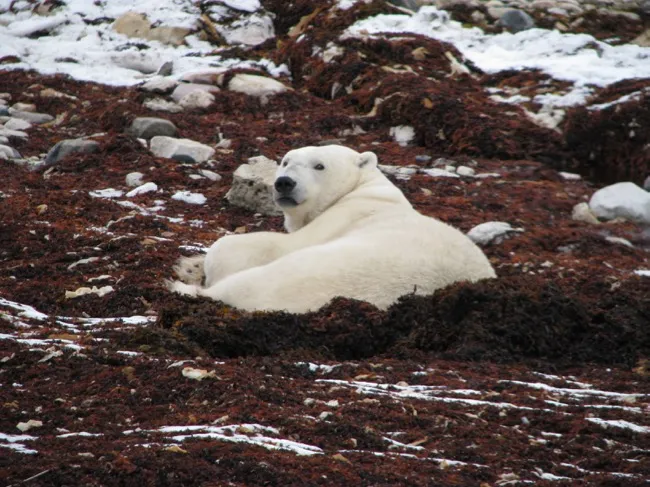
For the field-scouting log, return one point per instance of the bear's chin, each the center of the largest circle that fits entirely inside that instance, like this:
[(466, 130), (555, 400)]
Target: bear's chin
[(286, 202)]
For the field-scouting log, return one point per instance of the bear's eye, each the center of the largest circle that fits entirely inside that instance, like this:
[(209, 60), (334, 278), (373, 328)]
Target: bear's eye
[(319, 167), (284, 164)]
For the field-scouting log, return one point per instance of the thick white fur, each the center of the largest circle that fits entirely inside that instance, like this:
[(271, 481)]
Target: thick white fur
[(352, 233)]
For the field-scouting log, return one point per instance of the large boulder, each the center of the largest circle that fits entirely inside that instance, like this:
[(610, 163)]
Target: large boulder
[(252, 186), (622, 200)]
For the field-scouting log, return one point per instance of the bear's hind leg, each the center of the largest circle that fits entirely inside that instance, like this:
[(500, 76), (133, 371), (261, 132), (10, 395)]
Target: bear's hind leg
[(190, 270)]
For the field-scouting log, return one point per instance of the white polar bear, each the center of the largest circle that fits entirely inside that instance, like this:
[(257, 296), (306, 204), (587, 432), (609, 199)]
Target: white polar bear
[(352, 233)]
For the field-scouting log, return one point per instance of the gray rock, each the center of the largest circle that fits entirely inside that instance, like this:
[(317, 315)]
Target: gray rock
[(17, 124), (134, 179), (70, 146), (31, 117), (184, 89), (252, 186), (148, 127), (4, 111), (182, 150), (166, 69), (491, 232), (211, 175), (254, 85), (465, 171), (197, 99), (159, 104), (24, 107), (133, 24), (621, 200), (582, 213), (646, 184), (7, 152), (515, 21), (159, 84), (5, 132)]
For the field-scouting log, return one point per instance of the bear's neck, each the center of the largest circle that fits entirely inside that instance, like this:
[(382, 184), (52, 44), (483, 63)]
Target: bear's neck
[(291, 224)]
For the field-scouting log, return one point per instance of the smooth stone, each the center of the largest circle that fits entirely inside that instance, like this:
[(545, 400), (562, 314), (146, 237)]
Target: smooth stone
[(184, 89), (17, 124), (148, 127), (24, 107), (582, 213), (31, 117), (254, 85), (205, 77), (142, 189), (182, 150), (173, 36), (197, 99), (132, 24), (489, 232), (8, 152), (211, 175), (70, 146), (159, 84), (622, 200), (251, 31), (161, 105), (515, 21), (465, 171), (5, 132)]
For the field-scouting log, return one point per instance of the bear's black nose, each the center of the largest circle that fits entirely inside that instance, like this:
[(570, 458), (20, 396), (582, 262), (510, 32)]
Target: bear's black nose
[(284, 184)]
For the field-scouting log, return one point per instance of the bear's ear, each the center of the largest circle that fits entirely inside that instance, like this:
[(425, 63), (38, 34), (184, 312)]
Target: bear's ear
[(367, 160)]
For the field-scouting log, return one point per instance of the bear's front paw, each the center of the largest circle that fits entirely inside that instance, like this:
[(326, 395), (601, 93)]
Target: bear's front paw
[(182, 288), (190, 270)]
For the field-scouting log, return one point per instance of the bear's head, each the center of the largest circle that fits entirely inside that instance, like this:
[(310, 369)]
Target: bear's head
[(311, 179)]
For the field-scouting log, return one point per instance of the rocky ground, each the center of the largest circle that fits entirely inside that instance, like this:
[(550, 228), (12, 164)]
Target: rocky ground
[(539, 377)]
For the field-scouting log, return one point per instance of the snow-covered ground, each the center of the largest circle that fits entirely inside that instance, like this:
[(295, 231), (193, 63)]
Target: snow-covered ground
[(82, 43)]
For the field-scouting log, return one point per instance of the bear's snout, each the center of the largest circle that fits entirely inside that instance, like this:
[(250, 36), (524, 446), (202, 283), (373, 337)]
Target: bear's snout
[(284, 184)]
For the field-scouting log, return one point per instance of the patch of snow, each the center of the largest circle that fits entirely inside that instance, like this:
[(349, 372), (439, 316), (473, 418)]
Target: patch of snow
[(81, 433), (14, 442), (576, 392), (402, 134), (98, 53), (426, 393), (142, 189), (88, 260), (348, 4), (191, 198), (439, 173), (238, 433), (325, 369), (106, 193), (578, 58), (619, 423), (569, 176), (24, 310)]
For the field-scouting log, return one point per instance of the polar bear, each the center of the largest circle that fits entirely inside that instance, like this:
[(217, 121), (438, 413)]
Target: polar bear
[(351, 233)]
